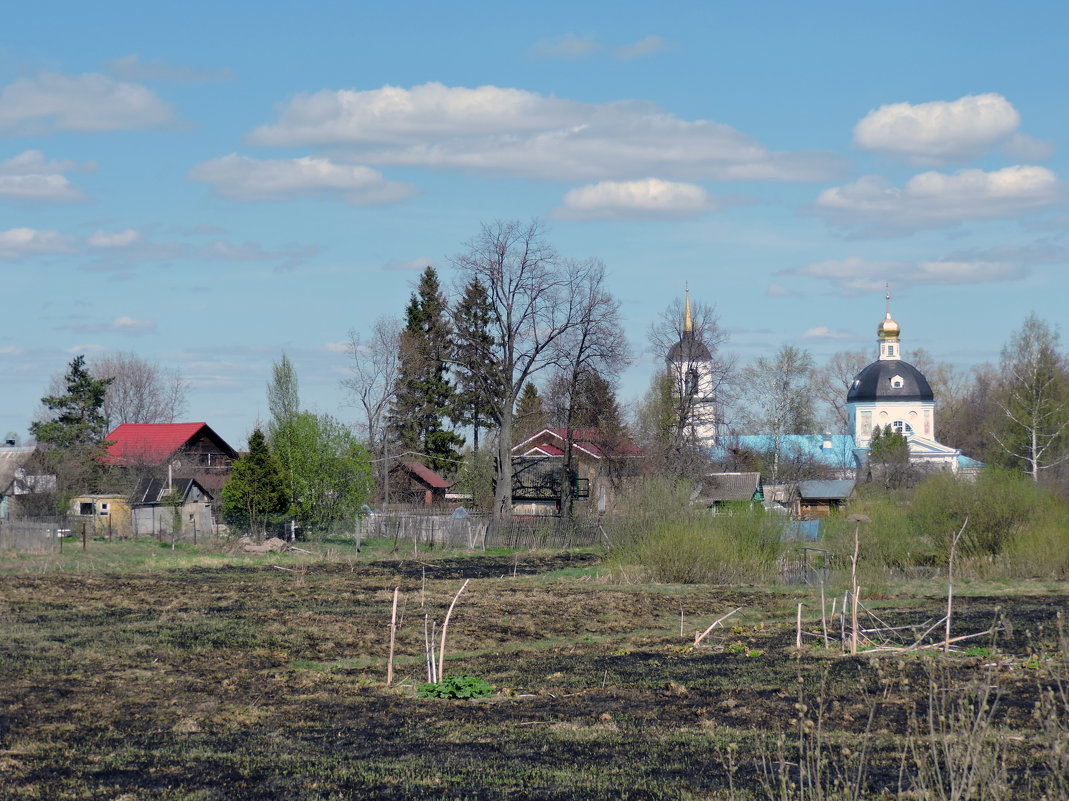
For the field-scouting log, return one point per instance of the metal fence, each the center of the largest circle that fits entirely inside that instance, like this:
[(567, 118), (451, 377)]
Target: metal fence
[(33, 534)]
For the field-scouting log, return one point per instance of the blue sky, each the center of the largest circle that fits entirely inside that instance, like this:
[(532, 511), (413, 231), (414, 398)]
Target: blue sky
[(210, 184)]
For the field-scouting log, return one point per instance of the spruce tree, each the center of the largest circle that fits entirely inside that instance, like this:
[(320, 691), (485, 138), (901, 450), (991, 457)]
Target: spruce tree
[(531, 416), (479, 385), (255, 490), (425, 394)]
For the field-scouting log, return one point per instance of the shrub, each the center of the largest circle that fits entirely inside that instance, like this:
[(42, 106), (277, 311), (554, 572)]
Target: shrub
[(463, 686)]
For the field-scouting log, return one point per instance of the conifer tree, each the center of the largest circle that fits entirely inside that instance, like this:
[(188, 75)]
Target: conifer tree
[(78, 416), (425, 394), (255, 490), (530, 416), (479, 386)]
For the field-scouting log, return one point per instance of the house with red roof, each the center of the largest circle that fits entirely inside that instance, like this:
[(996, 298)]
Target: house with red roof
[(600, 462), (414, 483), (190, 450)]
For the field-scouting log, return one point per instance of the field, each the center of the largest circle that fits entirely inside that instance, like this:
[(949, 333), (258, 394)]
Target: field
[(135, 672)]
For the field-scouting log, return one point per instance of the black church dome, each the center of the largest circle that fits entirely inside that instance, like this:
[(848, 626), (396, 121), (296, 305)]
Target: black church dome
[(890, 380)]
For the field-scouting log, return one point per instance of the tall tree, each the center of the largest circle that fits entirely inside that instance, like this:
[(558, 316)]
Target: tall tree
[(140, 391), (283, 392), (425, 394), (530, 416), (76, 417), (594, 345), (478, 385), (778, 398), (284, 435), (533, 303), (1034, 399), (374, 365), (254, 491), (831, 384)]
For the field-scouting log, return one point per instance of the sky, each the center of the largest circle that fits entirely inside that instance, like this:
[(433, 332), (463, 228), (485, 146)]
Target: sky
[(209, 185)]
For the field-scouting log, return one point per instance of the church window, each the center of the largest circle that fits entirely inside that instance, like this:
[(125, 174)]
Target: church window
[(890, 350), (900, 427), (897, 382)]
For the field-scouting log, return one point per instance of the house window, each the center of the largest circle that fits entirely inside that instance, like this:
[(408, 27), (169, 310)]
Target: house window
[(104, 508), (85, 508)]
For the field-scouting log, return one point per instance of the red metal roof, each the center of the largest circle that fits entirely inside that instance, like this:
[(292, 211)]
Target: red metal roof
[(591, 440), (426, 475), (151, 443)]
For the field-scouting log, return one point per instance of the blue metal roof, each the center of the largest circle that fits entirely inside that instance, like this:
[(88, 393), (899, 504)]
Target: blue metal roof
[(840, 454)]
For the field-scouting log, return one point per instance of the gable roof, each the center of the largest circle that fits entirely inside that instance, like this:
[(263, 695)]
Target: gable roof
[(424, 474), (149, 491), (154, 443), (592, 441), (718, 487), (835, 490)]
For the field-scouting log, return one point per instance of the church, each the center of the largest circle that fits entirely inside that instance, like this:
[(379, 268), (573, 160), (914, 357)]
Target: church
[(892, 393), (690, 369)]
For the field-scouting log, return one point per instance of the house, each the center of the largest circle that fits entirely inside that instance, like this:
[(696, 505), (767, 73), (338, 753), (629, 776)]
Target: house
[(19, 488), (600, 463), (810, 500), (103, 513), (413, 482), (185, 449), (721, 492), (157, 505)]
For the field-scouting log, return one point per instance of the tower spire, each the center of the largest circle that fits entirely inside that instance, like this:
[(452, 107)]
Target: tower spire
[(688, 321), (888, 332)]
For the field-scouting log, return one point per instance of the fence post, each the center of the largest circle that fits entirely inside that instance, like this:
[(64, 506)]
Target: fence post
[(83, 536)]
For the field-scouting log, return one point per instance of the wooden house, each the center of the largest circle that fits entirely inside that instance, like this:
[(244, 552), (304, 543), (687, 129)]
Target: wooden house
[(413, 482), (188, 450)]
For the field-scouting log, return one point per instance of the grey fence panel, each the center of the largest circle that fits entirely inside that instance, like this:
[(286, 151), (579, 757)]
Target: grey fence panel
[(430, 530), (32, 535)]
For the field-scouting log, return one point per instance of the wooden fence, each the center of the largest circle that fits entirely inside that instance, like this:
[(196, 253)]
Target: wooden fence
[(543, 532), (427, 529), (33, 534)]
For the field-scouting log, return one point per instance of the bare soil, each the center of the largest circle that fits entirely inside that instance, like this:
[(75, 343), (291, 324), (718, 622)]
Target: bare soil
[(261, 683)]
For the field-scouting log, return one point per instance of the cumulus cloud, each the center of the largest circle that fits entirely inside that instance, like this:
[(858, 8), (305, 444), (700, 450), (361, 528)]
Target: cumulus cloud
[(935, 200), (643, 47), (568, 46), (244, 178), (780, 291), (87, 103), (120, 325), (17, 243), (854, 275), (516, 132), (1023, 147), (931, 133), (646, 199), (132, 68), (29, 177)]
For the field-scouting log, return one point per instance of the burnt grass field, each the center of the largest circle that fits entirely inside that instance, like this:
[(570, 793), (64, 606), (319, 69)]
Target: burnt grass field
[(253, 682)]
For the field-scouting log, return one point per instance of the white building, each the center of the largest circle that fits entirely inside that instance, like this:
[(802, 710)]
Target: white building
[(690, 369), (893, 393)]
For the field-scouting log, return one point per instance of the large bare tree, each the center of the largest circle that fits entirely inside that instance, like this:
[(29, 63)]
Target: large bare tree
[(534, 300), (374, 367), (140, 390), (831, 384), (595, 345)]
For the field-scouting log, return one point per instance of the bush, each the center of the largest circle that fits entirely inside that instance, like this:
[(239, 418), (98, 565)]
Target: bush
[(463, 686), (703, 550)]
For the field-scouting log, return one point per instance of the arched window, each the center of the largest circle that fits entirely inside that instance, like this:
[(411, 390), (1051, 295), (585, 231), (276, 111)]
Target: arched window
[(900, 427)]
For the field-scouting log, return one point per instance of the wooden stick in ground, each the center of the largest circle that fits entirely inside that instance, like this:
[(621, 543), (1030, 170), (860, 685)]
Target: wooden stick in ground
[(950, 584), (445, 626), (699, 637), (823, 617), (393, 637), (428, 650), (853, 586), (798, 627)]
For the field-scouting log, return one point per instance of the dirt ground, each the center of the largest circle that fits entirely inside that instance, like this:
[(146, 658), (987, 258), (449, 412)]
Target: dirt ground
[(264, 683)]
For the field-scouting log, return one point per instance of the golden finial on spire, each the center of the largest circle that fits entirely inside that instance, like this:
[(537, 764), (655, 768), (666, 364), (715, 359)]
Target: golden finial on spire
[(888, 328), (688, 321)]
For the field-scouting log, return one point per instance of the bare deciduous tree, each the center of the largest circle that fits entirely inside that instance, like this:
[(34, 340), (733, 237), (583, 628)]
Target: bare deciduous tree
[(374, 367), (594, 344), (831, 383), (140, 390), (533, 302)]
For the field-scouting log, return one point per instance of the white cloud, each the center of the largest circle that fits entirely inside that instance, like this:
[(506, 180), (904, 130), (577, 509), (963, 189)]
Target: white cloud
[(29, 177), (408, 265), (934, 200), (649, 198), (85, 103), (780, 291), (114, 239), (568, 46), (120, 325), (341, 346), (643, 47), (938, 131), (823, 332), (16, 243), (855, 275), (244, 178), (516, 132), (132, 68), (1027, 148), (288, 257)]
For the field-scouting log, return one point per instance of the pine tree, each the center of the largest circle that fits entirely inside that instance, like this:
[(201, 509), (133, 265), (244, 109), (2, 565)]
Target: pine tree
[(425, 395), (255, 488), (479, 386), (78, 416)]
